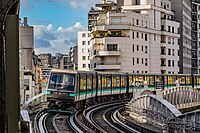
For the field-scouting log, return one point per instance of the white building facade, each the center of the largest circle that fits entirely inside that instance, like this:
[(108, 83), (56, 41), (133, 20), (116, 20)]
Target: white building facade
[(140, 38), (84, 45)]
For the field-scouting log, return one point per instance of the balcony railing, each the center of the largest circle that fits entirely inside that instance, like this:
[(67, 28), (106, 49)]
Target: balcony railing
[(108, 63)]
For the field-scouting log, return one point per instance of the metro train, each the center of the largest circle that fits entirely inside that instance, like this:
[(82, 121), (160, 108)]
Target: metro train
[(67, 88)]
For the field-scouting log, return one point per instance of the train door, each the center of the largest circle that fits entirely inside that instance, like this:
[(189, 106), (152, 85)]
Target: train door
[(100, 86), (94, 85), (107, 84), (89, 85), (123, 83), (116, 84), (82, 87)]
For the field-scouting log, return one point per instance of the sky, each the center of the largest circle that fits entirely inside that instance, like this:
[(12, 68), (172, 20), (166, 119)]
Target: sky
[(56, 22)]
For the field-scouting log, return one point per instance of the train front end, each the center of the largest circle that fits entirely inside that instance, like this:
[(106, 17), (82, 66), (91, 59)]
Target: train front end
[(61, 89)]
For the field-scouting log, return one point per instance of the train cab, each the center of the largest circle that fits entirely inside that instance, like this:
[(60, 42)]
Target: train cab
[(61, 86)]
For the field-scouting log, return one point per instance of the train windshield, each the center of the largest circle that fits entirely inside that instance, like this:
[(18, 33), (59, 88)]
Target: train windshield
[(62, 81)]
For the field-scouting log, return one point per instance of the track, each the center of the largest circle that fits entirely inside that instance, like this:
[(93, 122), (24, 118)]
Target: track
[(45, 123), (111, 119), (99, 119)]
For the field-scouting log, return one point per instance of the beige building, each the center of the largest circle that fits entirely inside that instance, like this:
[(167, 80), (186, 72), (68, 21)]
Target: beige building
[(46, 59), (65, 62), (26, 44), (135, 36), (84, 45)]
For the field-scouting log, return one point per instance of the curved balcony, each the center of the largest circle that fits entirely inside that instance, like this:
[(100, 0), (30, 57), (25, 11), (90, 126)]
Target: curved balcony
[(107, 53), (107, 66)]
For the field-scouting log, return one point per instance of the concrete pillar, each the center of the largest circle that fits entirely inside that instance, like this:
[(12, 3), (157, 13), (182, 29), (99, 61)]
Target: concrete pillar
[(12, 89)]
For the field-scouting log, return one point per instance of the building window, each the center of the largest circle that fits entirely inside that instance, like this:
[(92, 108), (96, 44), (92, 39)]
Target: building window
[(137, 60), (88, 42), (133, 61), (83, 42), (169, 51), (137, 21), (142, 35), (146, 49), (88, 65), (142, 48), (89, 35), (83, 57), (146, 37), (133, 48), (169, 63), (172, 63), (142, 61), (83, 35), (162, 27), (172, 40), (137, 47), (146, 71), (138, 71), (84, 65), (133, 21), (154, 37), (137, 34), (112, 47), (172, 29), (146, 62), (133, 35), (88, 57), (173, 52), (84, 50), (169, 28)]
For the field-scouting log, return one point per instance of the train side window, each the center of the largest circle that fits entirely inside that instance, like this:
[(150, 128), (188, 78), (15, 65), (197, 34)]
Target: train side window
[(130, 81), (82, 82), (188, 80), (89, 82), (103, 82), (123, 81)]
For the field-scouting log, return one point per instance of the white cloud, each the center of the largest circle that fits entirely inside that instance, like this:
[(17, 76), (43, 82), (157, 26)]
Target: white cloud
[(26, 4), (49, 40), (86, 4)]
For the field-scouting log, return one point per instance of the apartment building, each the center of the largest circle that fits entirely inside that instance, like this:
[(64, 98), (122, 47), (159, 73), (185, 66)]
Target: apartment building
[(84, 45), (45, 59), (65, 62), (183, 14), (135, 36), (56, 60), (73, 53), (26, 44), (195, 36)]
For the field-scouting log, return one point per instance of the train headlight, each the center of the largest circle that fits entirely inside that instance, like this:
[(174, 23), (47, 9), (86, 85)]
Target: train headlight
[(72, 94), (48, 92)]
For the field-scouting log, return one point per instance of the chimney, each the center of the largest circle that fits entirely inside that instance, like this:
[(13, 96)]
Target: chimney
[(25, 21)]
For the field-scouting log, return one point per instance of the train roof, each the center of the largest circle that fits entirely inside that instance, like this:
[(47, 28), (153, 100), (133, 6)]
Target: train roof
[(63, 71), (112, 73)]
